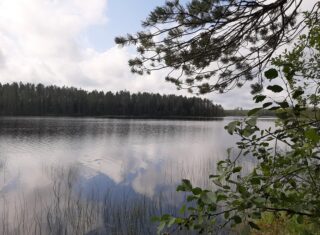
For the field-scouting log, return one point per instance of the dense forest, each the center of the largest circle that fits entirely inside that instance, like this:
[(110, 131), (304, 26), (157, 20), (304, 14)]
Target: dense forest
[(30, 99)]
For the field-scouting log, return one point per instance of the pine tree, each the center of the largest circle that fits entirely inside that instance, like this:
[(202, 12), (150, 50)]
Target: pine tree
[(225, 41)]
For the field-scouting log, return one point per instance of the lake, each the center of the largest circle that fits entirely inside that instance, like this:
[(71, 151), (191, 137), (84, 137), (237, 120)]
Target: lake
[(96, 176)]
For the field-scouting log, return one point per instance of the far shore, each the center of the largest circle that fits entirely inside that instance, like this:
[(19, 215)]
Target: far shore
[(182, 118), (117, 117)]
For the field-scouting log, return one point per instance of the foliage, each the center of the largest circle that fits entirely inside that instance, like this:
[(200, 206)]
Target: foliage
[(228, 40), (281, 224), (29, 99), (285, 159)]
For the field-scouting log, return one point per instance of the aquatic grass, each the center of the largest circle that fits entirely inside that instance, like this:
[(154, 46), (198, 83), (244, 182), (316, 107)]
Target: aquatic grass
[(65, 207)]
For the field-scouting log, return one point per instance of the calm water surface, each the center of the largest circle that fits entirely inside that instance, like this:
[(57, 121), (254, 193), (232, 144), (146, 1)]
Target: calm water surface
[(138, 157)]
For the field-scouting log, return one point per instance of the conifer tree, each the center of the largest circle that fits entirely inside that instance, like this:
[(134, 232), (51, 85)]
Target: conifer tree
[(213, 45)]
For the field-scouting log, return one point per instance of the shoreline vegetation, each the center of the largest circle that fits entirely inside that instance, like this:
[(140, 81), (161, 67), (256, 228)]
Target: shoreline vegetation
[(173, 118), (19, 99), (30, 100)]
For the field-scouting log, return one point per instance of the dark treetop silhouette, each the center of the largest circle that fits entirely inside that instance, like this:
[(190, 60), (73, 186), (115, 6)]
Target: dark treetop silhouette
[(29, 99)]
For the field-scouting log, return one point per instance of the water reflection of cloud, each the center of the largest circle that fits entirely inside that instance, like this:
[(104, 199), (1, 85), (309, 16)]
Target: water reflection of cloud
[(145, 154)]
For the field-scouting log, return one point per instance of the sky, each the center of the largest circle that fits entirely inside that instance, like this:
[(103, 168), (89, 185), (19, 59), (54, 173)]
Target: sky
[(71, 43)]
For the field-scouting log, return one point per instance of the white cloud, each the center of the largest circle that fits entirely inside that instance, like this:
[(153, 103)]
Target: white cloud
[(39, 38)]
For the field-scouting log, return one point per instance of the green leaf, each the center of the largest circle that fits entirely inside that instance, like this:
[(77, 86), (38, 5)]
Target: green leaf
[(191, 198), (254, 226), (259, 98), (286, 69), (208, 197), (221, 197), (155, 218), (196, 191), (300, 219), (259, 200), (312, 135), (256, 215), (283, 104), (237, 169), (252, 121), (226, 214), (297, 93), (184, 186), (171, 221), (217, 182), (253, 111), (255, 180), (161, 227), (237, 219), (231, 127), (271, 74), (275, 88), (265, 105), (182, 209), (181, 188), (186, 183), (165, 217), (241, 189), (247, 132), (274, 108)]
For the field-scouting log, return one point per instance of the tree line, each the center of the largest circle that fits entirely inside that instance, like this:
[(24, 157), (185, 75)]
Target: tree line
[(31, 99)]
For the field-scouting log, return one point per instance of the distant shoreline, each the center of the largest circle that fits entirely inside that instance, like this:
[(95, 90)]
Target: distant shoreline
[(200, 118), (182, 118), (19, 99)]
